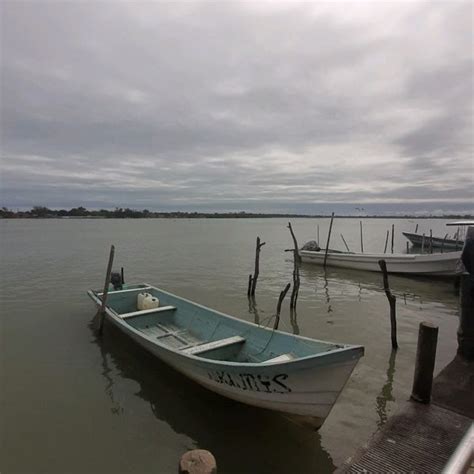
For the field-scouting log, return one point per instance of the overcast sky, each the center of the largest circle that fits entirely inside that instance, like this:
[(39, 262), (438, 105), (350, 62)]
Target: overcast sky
[(255, 106)]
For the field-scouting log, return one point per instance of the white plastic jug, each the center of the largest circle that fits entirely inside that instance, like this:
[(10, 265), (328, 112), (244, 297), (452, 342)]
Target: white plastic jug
[(141, 300), (151, 302)]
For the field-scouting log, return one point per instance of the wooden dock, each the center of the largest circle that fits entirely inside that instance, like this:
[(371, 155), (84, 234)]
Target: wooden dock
[(422, 437)]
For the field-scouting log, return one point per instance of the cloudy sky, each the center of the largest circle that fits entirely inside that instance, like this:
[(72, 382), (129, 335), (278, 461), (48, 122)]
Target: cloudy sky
[(256, 105)]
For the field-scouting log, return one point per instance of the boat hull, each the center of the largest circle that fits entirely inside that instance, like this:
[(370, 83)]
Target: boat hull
[(418, 240), (307, 386), (304, 389), (444, 264)]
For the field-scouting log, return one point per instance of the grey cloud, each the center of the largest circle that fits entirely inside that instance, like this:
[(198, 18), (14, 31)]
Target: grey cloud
[(241, 103)]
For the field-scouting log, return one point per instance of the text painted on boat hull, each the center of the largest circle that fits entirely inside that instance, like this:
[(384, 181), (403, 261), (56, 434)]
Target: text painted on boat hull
[(254, 383)]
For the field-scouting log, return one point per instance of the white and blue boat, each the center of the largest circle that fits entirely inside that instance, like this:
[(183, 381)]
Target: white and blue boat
[(245, 362)]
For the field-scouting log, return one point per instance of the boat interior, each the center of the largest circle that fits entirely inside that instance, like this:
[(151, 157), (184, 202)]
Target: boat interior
[(192, 329)]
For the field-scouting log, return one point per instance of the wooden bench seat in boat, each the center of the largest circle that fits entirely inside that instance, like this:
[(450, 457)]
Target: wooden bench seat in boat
[(280, 358), (147, 311), (210, 346)]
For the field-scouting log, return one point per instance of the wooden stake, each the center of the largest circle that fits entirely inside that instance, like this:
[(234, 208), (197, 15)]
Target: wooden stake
[(122, 276), (101, 312), (318, 237), (386, 242), (280, 301), (423, 243), (443, 242), (345, 243), (393, 235), (392, 301), (361, 239), (431, 241), (425, 362), (295, 243), (296, 280), (327, 243), (257, 266), (408, 248), (416, 229)]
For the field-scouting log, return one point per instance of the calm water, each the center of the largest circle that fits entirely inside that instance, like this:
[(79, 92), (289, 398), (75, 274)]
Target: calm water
[(74, 404)]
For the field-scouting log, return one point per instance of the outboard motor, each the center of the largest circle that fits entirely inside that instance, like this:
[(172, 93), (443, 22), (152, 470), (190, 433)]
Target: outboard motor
[(311, 245), (116, 280)]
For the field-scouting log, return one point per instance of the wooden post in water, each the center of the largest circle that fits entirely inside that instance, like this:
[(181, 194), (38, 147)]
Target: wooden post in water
[(408, 248), (295, 243), (257, 266), (327, 243), (296, 280), (443, 242), (101, 312), (466, 319), (423, 243), (197, 461), (393, 235), (280, 301), (425, 362), (416, 229), (122, 278), (318, 237), (361, 238), (386, 242), (345, 243), (431, 241), (392, 300)]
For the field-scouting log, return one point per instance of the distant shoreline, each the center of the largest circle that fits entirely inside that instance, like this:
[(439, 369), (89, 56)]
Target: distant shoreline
[(120, 213)]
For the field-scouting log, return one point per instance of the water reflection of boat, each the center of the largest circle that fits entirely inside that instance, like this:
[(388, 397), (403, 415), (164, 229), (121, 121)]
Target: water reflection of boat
[(234, 358), (270, 443), (353, 283)]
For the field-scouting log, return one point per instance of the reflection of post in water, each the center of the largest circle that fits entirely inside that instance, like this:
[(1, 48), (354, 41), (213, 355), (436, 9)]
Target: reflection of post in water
[(386, 392), (294, 322), (116, 409), (253, 309), (326, 292)]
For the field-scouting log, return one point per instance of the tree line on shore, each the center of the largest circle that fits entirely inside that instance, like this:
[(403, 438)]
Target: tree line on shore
[(42, 212)]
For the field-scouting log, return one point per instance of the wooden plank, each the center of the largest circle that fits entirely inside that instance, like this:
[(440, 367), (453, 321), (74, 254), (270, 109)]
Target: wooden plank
[(229, 341), (280, 358), (147, 311)]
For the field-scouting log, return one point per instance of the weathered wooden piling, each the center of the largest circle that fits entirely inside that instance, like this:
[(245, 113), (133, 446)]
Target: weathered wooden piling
[(386, 242), (431, 240), (329, 238), (466, 319), (101, 312), (425, 362), (257, 266), (280, 301), (295, 243), (296, 280), (361, 238), (197, 461), (392, 300), (393, 235), (345, 243)]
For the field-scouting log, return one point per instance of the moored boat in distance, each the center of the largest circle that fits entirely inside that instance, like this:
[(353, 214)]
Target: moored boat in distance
[(237, 359), (418, 240), (432, 264)]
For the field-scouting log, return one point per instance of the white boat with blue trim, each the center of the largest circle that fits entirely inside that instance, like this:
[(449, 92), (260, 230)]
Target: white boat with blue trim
[(430, 264), (237, 359)]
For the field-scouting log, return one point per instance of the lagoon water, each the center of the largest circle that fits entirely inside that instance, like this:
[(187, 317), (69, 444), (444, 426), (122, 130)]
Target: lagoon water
[(73, 403)]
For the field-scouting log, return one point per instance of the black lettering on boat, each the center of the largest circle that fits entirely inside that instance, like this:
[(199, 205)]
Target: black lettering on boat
[(266, 383), (251, 382), (276, 379)]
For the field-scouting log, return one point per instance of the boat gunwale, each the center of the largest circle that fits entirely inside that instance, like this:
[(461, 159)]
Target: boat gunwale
[(404, 258), (358, 350)]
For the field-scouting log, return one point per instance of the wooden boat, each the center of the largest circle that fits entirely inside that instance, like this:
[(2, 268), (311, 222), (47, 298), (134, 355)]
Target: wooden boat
[(440, 264), (234, 358), (435, 242)]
